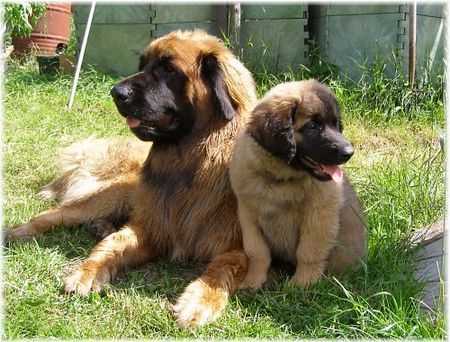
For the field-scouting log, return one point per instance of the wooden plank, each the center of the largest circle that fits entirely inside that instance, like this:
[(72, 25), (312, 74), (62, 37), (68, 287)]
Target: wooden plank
[(430, 9), (348, 50), (222, 18), (162, 29), (360, 8), (274, 11), (115, 48), (428, 233), (430, 44), (276, 44), (184, 13), (429, 256), (113, 14)]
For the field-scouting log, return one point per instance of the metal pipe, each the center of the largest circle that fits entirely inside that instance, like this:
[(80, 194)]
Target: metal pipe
[(81, 56), (412, 42), (234, 33)]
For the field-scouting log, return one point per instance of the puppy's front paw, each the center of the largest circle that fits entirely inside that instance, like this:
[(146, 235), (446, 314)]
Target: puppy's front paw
[(253, 280), (86, 279), (307, 274), (199, 304)]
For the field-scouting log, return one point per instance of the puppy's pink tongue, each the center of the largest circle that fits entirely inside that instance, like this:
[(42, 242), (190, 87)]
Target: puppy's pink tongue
[(335, 172), (133, 122)]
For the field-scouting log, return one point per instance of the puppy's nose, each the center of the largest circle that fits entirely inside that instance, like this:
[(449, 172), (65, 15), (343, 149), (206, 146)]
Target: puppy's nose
[(346, 152), (122, 92)]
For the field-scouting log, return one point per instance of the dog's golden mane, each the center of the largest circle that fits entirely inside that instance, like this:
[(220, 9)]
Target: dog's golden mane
[(188, 58), (180, 204)]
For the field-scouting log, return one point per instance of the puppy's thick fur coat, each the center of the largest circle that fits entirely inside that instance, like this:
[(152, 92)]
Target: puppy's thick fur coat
[(293, 200), (191, 97)]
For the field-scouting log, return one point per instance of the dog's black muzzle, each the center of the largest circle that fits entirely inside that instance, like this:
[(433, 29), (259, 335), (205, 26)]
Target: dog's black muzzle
[(122, 93)]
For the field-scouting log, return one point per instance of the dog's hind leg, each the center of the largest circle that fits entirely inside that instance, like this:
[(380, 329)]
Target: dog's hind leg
[(112, 201), (205, 298), (102, 227), (44, 222)]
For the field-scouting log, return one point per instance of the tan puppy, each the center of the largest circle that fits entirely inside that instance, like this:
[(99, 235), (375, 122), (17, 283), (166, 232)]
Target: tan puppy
[(294, 201)]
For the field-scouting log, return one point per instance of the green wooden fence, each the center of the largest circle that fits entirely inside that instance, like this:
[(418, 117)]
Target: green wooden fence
[(349, 36), (272, 37)]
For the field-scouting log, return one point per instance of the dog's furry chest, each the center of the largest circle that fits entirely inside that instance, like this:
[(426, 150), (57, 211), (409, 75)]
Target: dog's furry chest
[(281, 229), (191, 215), (282, 209), (280, 218)]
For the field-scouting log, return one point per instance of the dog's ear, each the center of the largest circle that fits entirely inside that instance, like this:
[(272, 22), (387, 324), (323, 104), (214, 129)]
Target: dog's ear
[(275, 132), (142, 61), (213, 76)]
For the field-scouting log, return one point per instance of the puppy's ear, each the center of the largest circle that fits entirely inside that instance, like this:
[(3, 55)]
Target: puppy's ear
[(214, 77), (275, 132)]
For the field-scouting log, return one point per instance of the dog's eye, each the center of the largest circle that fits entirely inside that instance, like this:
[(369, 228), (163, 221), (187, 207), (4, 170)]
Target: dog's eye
[(168, 69)]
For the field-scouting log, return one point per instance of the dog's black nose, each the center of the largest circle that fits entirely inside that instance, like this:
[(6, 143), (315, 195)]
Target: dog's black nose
[(122, 92), (346, 152)]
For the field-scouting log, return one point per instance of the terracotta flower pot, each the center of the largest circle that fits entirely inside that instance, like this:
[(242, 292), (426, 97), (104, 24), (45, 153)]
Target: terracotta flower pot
[(52, 30)]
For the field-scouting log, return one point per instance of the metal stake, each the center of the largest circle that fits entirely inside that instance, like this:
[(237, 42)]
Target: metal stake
[(412, 42), (234, 13), (81, 56)]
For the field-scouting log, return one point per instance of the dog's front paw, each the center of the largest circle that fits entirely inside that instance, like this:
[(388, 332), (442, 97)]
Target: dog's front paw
[(307, 274), (199, 304), (85, 279)]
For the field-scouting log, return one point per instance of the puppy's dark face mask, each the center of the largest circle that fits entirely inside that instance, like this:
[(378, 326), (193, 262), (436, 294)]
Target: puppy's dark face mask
[(309, 138), (321, 148)]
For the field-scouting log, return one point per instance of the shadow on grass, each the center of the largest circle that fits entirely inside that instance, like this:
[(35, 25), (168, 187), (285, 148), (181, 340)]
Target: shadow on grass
[(379, 303)]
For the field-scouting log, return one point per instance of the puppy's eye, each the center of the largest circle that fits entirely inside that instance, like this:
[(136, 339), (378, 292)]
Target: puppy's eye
[(315, 123)]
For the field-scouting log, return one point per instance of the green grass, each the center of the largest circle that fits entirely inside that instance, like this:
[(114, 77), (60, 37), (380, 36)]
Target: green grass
[(397, 171)]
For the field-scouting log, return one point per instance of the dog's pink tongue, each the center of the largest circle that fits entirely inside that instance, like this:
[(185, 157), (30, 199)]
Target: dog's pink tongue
[(133, 122), (335, 172)]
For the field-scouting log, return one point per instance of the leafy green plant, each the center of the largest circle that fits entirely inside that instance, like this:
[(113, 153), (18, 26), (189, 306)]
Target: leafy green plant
[(20, 18)]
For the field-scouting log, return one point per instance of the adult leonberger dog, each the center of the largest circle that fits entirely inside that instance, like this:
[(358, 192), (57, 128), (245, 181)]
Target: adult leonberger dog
[(294, 201), (191, 97)]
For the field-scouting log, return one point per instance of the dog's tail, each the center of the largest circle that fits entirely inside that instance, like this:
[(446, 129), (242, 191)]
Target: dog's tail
[(89, 165)]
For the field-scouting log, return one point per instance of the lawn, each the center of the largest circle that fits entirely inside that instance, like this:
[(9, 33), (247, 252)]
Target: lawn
[(398, 171)]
